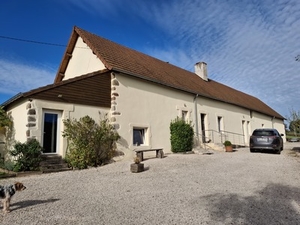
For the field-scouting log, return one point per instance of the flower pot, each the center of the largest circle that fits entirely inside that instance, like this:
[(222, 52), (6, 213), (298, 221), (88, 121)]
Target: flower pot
[(136, 168), (228, 148)]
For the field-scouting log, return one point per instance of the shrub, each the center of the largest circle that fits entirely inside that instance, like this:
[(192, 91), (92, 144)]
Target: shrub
[(227, 143), (27, 155), (182, 136), (8, 165), (90, 144), (1, 161)]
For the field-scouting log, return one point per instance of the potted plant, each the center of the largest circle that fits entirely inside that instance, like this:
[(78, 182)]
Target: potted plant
[(137, 166), (228, 146)]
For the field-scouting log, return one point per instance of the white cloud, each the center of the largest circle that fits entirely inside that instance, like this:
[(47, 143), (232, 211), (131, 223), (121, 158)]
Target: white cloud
[(102, 8), (18, 77), (248, 47)]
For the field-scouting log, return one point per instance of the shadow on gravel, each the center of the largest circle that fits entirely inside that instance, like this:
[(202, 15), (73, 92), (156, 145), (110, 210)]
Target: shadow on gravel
[(27, 203), (275, 204), (296, 149)]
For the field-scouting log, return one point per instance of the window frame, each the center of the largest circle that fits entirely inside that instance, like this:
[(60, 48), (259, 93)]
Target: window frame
[(185, 115), (145, 132), (220, 123), (187, 111), (139, 141)]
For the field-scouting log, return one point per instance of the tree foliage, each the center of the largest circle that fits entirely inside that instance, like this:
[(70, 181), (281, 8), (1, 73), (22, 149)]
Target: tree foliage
[(4, 119), (294, 121), (182, 135), (27, 155), (90, 143)]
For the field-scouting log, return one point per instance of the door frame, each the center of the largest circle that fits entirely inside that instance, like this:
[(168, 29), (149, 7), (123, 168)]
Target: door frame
[(59, 116), (203, 124)]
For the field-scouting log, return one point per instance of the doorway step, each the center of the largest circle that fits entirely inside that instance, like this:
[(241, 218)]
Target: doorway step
[(53, 163)]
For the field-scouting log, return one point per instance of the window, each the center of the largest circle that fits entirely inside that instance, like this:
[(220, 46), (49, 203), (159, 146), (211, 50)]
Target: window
[(184, 115), (220, 123), (265, 133), (139, 136)]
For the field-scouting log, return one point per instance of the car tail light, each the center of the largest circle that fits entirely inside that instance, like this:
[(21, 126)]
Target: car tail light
[(271, 138)]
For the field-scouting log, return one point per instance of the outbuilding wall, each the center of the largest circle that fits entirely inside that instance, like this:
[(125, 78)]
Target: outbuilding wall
[(148, 105)]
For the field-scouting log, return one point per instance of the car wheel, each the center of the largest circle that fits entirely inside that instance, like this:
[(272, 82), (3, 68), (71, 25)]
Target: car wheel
[(252, 150), (278, 151)]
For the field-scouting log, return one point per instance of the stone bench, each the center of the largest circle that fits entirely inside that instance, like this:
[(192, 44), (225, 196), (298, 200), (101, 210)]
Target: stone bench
[(140, 153)]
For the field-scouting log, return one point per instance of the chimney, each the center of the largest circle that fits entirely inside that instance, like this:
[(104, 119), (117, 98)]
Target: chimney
[(201, 70)]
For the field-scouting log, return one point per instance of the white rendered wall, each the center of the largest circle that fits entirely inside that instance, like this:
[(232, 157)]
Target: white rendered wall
[(68, 111), (19, 114), (83, 61), (143, 104), (19, 117), (262, 121)]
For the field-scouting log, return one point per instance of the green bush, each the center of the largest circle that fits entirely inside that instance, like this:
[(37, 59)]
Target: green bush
[(182, 136), (90, 144), (26, 155), (227, 143), (1, 161), (8, 165)]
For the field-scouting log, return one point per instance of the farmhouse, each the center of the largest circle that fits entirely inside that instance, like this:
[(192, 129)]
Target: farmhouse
[(140, 94)]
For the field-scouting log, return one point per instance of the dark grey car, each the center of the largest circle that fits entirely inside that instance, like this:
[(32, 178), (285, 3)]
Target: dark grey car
[(266, 140)]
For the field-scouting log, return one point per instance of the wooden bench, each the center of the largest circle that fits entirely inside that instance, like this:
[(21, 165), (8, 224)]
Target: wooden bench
[(140, 153)]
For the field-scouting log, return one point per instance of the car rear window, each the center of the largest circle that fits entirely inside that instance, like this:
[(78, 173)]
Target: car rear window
[(264, 133)]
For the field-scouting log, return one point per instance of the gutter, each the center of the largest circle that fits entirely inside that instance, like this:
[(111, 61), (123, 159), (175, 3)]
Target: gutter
[(196, 115), (12, 99)]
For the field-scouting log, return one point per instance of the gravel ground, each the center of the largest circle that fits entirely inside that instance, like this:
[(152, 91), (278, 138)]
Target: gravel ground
[(221, 188)]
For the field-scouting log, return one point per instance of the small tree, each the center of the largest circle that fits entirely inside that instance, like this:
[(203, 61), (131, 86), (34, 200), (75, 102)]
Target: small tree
[(182, 135), (6, 131), (90, 144), (27, 155), (4, 119), (294, 121)]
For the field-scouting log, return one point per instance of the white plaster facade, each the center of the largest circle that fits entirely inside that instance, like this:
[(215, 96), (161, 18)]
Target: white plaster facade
[(140, 104), (83, 61), (146, 105), (22, 130)]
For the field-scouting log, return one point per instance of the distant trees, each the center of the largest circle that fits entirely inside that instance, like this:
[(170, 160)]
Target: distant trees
[(294, 121)]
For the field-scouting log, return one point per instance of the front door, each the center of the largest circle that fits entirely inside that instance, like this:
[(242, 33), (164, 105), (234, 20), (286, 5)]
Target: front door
[(245, 127), (203, 128), (51, 126)]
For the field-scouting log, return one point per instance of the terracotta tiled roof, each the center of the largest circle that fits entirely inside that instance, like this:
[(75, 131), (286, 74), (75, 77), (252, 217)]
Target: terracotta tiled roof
[(122, 59)]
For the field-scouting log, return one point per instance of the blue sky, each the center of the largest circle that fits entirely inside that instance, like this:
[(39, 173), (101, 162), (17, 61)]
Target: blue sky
[(248, 45)]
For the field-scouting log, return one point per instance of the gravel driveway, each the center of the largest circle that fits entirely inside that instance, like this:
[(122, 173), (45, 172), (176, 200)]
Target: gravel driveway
[(222, 188)]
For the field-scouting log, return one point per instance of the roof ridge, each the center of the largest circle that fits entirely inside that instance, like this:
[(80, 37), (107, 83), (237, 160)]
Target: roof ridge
[(120, 58), (81, 32)]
